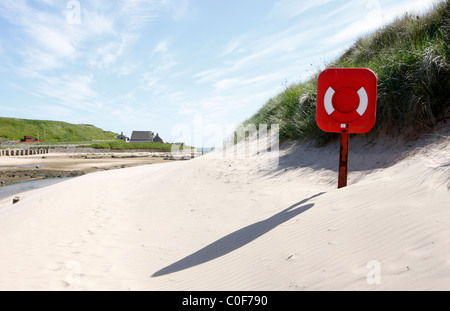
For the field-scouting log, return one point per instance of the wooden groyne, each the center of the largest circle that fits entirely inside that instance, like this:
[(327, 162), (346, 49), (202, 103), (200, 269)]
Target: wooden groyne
[(22, 152)]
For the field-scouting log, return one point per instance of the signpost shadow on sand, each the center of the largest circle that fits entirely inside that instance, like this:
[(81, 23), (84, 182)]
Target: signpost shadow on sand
[(237, 239)]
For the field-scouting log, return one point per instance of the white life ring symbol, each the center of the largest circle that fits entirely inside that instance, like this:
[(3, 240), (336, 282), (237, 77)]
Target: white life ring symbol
[(363, 101)]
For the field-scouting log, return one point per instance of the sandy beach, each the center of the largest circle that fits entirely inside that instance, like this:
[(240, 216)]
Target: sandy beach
[(59, 165), (225, 224)]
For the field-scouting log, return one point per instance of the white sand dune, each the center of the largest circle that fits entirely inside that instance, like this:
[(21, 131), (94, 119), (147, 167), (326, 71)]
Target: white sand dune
[(226, 225)]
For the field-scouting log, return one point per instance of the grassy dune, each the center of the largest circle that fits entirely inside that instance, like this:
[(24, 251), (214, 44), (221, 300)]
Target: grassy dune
[(411, 59)]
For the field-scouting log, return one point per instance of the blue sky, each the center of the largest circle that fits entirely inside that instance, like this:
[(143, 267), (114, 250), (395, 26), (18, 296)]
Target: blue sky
[(165, 65)]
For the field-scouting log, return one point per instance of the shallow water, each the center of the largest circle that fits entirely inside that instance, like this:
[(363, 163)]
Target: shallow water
[(14, 189)]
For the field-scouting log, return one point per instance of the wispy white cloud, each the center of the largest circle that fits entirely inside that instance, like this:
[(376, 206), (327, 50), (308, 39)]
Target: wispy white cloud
[(36, 60), (126, 68), (117, 26), (52, 40), (233, 46), (43, 33), (47, 41), (292, 8), (106, 54), (358, 24), (97, 23), (235, 83), (209, 75), (73, 92), (161, 49), (161, 61), (274, 50), (57, 58)]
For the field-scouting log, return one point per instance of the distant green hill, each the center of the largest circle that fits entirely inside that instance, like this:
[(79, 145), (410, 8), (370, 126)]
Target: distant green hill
[(411, 59), (54, 131)]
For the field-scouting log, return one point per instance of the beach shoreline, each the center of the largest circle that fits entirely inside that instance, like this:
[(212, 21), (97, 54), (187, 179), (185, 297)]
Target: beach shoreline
[(15, 169)]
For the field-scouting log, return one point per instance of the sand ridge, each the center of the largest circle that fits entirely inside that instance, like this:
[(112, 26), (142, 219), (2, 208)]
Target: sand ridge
[(224, 224)]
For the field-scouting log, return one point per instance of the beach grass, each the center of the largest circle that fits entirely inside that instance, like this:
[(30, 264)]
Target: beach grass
[(410, 56)]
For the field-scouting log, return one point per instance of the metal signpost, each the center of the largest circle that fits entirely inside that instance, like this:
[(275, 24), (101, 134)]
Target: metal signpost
[(346, 103)]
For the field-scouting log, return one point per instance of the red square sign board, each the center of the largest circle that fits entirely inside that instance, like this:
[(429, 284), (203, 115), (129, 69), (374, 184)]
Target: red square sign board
[(346, 100)]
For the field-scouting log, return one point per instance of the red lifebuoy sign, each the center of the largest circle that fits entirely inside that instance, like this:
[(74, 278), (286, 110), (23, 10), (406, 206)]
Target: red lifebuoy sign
[(346, 100)]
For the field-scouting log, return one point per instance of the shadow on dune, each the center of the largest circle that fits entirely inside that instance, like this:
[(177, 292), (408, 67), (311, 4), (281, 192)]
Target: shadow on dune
[(362, 155), (366, 151), (237, 239)]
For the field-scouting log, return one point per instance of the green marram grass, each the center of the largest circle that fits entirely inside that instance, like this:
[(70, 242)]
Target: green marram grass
[(410, 56)]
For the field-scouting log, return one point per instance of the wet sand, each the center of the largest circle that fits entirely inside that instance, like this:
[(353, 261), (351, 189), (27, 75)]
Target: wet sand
[(60, 165)]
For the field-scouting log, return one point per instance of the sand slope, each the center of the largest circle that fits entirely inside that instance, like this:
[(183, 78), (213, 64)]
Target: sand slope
[(223, 224)]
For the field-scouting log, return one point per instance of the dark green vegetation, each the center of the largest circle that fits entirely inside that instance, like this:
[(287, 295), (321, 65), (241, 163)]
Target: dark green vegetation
[(121, 145), (411, 59), (55, 131)]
